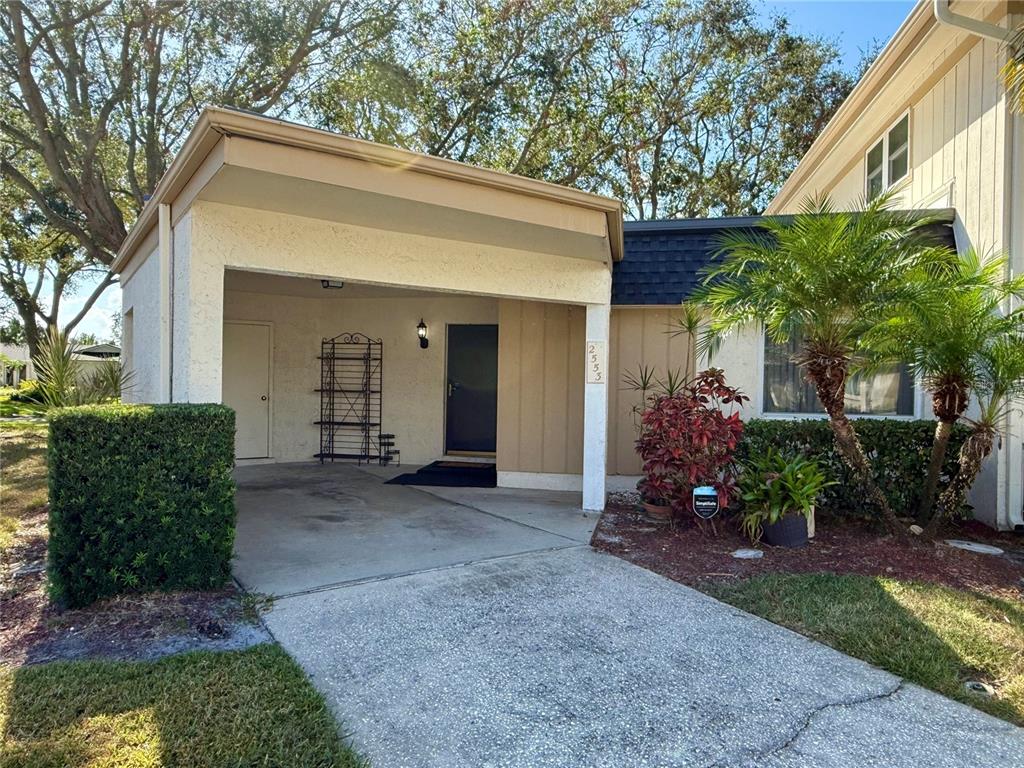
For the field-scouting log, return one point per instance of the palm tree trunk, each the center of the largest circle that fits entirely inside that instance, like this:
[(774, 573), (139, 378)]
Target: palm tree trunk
[(943, 431), (827, 372), (973, 452)]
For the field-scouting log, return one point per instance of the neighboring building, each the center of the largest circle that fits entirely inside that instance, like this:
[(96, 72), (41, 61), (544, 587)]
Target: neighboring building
[(15, 365), (930, 117)]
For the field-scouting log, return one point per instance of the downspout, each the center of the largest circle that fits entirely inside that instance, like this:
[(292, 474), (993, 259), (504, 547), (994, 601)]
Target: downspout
[(1014, 241), (980, 28)]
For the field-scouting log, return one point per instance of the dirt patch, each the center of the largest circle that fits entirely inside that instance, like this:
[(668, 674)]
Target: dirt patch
[(690, 555), (33, 631)]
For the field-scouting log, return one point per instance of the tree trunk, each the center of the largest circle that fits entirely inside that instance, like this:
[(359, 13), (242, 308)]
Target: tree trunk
[(943, 430), (975, 450), (827, 371)]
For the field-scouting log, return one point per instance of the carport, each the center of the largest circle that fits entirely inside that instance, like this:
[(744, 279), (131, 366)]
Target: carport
[(305, 527)]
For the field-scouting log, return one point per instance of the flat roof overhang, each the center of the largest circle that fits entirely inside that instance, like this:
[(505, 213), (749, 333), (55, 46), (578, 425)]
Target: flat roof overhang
[(257, 162)]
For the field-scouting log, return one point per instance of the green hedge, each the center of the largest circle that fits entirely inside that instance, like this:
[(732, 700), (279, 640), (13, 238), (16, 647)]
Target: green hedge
[(141, 499), (899, 451)]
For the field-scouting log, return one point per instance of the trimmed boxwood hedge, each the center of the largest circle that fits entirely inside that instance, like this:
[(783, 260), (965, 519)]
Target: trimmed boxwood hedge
[(141, 499), (898, 449)]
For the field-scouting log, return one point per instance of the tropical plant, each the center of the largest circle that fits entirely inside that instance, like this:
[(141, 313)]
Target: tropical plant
[(1001, 384), (687, 440), (827, 278), (1013, 71), (774, 485), (63, 382), (941, 343)]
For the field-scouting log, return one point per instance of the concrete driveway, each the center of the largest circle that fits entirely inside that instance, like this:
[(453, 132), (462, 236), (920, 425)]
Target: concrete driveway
[(564, 656), (306, 526)]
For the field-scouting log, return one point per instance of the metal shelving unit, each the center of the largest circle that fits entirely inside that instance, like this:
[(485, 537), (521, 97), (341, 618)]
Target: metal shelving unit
[(351, 370)]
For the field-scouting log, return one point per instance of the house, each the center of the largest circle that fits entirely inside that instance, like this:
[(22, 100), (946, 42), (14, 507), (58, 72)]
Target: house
[(930, 118), (268, 246), (337, 292)]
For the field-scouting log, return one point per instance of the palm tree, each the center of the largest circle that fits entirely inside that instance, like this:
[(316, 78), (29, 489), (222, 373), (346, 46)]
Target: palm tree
[(1001, 383), (827, 278), (940, 342)]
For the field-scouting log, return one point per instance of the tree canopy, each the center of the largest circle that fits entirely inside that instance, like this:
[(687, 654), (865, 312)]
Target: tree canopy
[(678, 107)]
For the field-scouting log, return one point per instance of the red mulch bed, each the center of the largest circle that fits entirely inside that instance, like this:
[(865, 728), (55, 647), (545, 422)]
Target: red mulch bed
[(690, 555), (33, 630)]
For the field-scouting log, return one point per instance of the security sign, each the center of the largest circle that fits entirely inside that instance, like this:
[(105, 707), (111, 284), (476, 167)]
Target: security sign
[(705, 502)]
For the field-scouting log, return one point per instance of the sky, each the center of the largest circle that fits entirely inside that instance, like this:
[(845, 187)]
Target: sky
[(851, 24)]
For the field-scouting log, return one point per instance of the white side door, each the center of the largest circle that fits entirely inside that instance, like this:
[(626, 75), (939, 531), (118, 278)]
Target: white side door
[(246, 386)]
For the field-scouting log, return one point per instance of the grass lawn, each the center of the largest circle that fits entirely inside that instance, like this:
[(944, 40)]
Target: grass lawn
[(932, 635), (22, 476), (243, 708), (9, 408)]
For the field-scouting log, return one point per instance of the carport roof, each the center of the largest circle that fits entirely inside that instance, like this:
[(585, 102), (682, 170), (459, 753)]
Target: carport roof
[(203, 156), (663, 259)]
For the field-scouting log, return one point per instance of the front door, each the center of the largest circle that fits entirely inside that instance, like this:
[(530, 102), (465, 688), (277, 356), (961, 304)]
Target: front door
[(246, 386), (471, 416)]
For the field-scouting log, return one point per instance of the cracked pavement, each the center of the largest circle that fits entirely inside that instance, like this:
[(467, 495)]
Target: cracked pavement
[(576, 658)]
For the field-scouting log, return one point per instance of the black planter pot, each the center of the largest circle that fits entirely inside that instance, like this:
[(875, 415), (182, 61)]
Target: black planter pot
[(790, 531)]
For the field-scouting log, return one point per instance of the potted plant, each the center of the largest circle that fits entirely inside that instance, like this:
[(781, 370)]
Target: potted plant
[(687, 440), (779, 494)]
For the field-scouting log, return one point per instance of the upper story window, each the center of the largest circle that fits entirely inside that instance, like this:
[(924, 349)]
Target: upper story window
[(888, 161)]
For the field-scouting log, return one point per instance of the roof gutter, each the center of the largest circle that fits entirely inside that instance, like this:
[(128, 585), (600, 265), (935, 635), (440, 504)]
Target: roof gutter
[(980, 28)]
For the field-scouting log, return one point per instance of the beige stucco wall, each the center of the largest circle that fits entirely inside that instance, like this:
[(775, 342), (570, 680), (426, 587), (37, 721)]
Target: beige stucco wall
[(139, 295), (413, 378), (540, 382)]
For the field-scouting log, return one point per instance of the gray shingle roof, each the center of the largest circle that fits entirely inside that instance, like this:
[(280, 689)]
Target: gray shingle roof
[(663, 259)]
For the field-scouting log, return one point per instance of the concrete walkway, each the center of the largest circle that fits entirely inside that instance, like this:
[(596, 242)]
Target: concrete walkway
[(576, 658), (474, 627)]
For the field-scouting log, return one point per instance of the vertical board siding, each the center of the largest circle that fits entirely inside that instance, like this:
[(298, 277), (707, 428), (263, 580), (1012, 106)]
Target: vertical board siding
[(958, 140), (540, 382)]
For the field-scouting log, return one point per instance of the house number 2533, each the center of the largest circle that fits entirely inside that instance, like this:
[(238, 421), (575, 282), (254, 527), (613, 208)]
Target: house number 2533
[(595, 362)]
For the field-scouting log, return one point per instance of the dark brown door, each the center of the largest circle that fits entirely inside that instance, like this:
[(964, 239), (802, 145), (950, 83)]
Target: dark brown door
[(471, 415)]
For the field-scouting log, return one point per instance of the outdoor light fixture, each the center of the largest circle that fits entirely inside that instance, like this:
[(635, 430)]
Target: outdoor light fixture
[(421, 331), (332, 284)]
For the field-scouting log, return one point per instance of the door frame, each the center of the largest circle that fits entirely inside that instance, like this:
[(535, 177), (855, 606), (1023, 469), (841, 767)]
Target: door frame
[(270, 383), (444, 395)]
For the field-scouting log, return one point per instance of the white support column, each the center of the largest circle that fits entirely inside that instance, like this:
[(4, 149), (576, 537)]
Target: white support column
[(165, 255), (198, 316), (595, 408)]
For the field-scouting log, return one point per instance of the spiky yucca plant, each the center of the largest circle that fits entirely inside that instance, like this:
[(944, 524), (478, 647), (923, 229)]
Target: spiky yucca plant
[(826, 277), (62, 381)]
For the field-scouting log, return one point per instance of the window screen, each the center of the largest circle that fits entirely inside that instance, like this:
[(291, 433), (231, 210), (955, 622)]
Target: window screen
[(887, 393)]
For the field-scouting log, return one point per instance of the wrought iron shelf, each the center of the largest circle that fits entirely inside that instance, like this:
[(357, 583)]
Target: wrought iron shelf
[(351, 380)]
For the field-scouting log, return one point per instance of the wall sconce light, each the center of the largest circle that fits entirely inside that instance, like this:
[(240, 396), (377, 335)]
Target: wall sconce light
[(332, 284), (421, 331)]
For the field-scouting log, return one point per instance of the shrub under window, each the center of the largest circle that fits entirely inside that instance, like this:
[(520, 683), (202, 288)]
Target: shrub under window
[(141, 499), (899, 451)]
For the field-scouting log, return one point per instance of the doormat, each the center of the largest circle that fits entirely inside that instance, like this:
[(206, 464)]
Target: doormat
[(451, 474)]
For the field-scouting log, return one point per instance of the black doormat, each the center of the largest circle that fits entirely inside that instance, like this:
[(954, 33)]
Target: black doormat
[(451, 474)]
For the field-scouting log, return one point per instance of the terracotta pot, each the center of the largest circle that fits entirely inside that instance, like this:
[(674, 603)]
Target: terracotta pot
[(660, 513), (789, 531)]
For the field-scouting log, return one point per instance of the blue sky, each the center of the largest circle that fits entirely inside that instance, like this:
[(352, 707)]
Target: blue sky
[(851, 24)]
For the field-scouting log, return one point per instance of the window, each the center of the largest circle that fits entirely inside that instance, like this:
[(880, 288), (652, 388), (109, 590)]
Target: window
[(888, 161), (887, 393)]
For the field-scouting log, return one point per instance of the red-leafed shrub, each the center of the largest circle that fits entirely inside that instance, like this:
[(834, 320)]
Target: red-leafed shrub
[(687, 440)]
